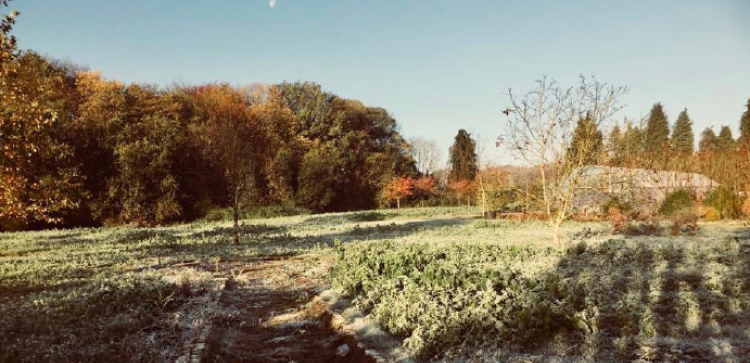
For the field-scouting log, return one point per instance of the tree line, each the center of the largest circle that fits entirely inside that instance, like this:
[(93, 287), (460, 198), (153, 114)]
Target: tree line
[(655, 144), (77, 149)]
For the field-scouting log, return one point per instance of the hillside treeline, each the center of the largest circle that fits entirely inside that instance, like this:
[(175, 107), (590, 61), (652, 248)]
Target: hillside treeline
[(81, 150)]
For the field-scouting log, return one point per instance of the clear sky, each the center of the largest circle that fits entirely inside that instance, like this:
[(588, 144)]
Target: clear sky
[(436, 65)]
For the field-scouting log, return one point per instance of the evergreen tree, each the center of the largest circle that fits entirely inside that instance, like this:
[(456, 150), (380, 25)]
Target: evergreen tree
[(708, 141), (633, 145), (745, 125), (682, 137), (586, 144), (725, 141), (615, 147), (657, 130), (463, 157)]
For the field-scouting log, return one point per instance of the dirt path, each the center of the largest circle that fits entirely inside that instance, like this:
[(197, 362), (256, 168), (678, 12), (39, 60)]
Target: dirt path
[(274, 319)]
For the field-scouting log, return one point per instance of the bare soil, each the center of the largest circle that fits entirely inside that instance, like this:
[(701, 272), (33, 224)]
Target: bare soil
[(275, 319)]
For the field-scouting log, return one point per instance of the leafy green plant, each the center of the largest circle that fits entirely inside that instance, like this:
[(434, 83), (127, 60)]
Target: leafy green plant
[(676, 201)]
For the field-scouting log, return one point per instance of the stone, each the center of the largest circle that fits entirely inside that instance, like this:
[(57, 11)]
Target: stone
[(342, 350)]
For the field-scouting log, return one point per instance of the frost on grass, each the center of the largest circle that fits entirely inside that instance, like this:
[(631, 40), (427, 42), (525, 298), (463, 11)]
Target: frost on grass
[(447, 285), (602, 299)]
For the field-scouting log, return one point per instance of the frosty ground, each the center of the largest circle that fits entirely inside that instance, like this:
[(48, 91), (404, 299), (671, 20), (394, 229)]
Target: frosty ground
[(447, 284)]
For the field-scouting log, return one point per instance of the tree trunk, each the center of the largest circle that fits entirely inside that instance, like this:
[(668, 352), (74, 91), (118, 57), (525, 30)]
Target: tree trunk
[(236, 217), (398, 203)]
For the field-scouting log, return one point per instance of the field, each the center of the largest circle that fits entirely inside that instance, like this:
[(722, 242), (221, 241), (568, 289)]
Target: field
[(450, 286)]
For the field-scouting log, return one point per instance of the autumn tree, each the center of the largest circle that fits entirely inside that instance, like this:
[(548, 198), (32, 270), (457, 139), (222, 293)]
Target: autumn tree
[(463, 189), (425, 187), (235, 138), (539, 130), (463, 157), (39, 180), (397, 189)]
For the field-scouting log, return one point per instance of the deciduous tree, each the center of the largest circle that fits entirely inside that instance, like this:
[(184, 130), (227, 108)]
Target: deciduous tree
[(397, 189), (539, 131), (39, 180), (235, 138), (426, 154)]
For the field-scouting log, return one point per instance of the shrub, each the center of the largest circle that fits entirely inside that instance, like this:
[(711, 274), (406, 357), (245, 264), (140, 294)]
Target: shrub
[(618, 203), (709, 214), (258, 212), (368, 217), (675, 202), (726, 201), (684, 222), (618, 220), (648, 227)]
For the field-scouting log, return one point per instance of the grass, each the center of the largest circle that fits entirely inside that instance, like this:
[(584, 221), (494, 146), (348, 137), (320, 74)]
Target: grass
[(447, 283)]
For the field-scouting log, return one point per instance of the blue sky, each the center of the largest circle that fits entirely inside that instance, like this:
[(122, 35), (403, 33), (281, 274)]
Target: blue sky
[(436, 65)]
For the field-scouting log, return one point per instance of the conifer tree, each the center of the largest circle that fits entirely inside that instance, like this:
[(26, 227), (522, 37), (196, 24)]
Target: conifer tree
[(586, 143), (463, 157), (708, 141), (725, 140), (683, 140), (657, 130), (615, 146), (633, 145), (745, 125)]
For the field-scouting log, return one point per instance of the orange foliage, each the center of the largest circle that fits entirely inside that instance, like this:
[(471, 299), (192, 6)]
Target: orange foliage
[(425, 187), (463, 188), (398, 188)]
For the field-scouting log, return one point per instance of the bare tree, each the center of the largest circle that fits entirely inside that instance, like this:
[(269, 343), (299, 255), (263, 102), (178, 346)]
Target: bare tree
[(483, 158), (539, 131), (426, 153)]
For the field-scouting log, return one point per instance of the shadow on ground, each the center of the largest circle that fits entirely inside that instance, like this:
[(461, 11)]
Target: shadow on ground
[(667, 303)]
